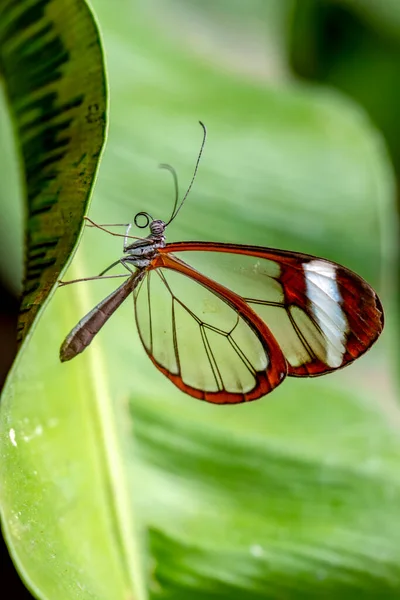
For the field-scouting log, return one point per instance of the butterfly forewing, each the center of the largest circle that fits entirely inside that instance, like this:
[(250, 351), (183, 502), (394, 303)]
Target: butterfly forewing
[(322, 315), (202, 342)]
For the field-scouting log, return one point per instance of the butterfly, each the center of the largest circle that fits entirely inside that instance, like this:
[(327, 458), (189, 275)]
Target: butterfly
[(226, 323)]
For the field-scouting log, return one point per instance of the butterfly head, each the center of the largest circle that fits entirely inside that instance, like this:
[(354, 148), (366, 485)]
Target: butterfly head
[(157, 227)]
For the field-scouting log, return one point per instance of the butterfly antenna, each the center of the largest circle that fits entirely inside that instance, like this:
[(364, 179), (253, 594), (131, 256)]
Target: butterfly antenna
[(175, 178), (176, 210)]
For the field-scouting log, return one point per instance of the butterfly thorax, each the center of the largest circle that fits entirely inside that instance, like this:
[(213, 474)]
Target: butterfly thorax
[(141, 252)]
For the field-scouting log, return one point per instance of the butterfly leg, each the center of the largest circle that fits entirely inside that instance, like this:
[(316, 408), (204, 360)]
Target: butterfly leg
[(125, 264), (91, 223), (62, 283), (102, 275)]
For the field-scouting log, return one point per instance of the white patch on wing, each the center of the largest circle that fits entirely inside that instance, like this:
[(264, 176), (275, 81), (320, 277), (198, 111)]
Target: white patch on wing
[(325, 299)]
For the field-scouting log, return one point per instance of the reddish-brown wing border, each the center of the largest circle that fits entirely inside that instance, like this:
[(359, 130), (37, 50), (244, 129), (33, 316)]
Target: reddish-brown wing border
[(360, 303), (266, 380)]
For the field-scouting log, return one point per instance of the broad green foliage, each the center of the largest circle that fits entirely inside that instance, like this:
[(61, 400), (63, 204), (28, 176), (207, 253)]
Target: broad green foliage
[(52, 69), (123, 486)]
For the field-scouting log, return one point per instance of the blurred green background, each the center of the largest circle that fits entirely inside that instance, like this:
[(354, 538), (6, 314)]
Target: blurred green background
[(296, 495)]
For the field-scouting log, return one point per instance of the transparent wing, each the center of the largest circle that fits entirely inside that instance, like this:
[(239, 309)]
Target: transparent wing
[(323, 315), (205, 339)]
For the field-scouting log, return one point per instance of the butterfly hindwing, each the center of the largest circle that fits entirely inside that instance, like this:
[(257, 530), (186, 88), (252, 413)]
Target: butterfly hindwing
[(203, 337)]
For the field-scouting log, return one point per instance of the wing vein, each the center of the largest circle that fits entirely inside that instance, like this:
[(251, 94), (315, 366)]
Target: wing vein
[(150, 319), (211, 358), (301, 337), (245, 360), (175, 337), (264, 302)]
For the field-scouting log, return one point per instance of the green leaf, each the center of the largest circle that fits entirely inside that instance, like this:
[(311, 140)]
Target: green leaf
[(292, 496), (52, 68)]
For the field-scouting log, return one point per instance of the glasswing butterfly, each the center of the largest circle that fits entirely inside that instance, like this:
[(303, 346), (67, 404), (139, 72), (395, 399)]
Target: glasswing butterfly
[(227, 322)]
